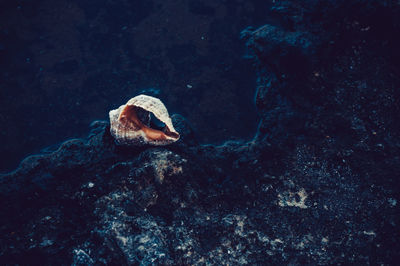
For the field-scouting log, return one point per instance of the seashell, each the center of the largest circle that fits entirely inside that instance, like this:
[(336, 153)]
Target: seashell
[(131, 123)]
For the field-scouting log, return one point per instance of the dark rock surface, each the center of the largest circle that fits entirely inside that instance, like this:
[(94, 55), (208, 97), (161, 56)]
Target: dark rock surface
[(317, 185)]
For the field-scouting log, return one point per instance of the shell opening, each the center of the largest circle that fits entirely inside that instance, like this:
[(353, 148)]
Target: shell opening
[(134, 117), (142, 120), (156, 123)]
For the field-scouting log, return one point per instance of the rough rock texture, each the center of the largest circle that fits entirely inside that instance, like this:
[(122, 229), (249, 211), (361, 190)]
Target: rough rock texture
[(317, 185)]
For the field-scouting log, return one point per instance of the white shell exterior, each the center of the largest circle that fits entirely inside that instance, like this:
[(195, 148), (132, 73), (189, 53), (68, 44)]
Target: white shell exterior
[(124, 136)]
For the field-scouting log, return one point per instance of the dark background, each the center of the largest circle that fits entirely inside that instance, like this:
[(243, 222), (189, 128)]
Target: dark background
[(65, 63)]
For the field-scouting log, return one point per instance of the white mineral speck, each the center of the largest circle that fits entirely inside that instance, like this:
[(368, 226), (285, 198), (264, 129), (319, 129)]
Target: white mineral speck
[(392, 202)]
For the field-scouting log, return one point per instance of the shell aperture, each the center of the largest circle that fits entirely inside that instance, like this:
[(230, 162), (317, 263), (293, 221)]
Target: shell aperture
[(131, 123)]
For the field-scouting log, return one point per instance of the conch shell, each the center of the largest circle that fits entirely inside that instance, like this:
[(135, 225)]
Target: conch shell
[(131, 123)]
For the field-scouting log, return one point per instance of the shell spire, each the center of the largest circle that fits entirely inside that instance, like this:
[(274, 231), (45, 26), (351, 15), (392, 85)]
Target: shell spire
[(131, 123)]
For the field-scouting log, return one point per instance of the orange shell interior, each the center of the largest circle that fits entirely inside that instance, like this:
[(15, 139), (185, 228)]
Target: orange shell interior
[(129, 119)]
